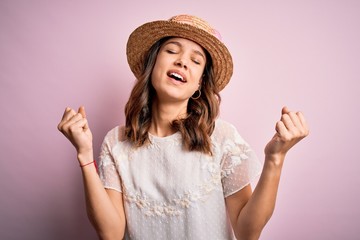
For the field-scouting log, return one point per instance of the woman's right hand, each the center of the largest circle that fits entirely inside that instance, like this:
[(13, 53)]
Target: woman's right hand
[(74, 126)]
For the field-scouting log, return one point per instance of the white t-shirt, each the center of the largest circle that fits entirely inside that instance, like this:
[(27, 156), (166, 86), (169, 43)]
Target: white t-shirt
[(171, 193)]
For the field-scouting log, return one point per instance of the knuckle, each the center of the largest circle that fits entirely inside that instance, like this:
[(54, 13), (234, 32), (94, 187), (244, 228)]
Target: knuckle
[(287, 138), (62, 127), (293, 115), (72, 128), (278, 125), (306, 132), (303, 132), (299, 134), (285, 117)]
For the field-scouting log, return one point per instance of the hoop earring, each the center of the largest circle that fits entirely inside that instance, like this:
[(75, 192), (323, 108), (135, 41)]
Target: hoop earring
[(196, 97)]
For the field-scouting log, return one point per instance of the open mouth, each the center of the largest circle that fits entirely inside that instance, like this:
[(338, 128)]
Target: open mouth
[(177, 77)]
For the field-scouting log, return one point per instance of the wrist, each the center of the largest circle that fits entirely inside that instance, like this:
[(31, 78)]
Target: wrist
[(275, 159), (85, 157), (93, 162)]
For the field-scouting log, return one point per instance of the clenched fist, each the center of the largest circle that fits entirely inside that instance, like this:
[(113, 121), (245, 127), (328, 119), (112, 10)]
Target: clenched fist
[(74, 126), (291, 128)]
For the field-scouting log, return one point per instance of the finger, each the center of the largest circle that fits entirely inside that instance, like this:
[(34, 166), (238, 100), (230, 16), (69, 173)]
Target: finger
[(67, 109), (303, 123), (78, 126), (301, 118), (68, 114), (288, 123), (67, 125), (82, 111), (295, 119), (281, 129), (285, 110)]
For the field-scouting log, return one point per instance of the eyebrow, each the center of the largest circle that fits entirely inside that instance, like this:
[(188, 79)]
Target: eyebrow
[(180, 45)]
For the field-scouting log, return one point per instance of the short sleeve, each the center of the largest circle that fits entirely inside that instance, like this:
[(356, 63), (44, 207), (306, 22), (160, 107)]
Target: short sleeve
[(108, 172), (240, 165)]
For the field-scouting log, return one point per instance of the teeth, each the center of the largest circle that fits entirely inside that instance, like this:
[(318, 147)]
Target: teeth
[(177, 76)]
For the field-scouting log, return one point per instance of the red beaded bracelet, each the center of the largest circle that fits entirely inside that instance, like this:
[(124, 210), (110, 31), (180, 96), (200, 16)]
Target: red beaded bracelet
[(94, 162)]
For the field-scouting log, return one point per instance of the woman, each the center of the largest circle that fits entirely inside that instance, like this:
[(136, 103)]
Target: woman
[(176, 171)]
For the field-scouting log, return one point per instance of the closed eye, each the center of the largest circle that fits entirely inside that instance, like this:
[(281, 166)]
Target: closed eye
[(196, 61), (170, 51)]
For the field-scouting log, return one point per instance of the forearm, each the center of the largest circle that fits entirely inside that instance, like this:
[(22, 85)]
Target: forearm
[(100, 209), (260, 207), (252, 218)]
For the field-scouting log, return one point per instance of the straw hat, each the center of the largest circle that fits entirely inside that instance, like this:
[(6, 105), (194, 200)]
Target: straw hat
[(185, 26)]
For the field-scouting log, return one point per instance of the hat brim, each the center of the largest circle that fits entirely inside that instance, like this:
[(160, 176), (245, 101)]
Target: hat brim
[(142, 38)]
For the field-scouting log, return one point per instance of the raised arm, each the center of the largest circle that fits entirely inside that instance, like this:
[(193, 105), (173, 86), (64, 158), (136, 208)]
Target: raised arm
[(249, 212), (104, 207)]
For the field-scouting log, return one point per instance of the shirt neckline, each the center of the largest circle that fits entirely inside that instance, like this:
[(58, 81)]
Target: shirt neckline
[(173, 136)]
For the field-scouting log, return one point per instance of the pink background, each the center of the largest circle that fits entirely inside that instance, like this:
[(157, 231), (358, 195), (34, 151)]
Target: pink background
[(303, 54)]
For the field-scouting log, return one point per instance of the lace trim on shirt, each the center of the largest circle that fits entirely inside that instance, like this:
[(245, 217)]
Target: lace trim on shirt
[(176, 206), (239, 154)]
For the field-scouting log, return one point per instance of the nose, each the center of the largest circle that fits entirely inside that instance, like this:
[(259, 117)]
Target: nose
[(181, 63)]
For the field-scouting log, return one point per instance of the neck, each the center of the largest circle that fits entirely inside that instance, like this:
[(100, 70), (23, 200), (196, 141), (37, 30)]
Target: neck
[(163, 114)]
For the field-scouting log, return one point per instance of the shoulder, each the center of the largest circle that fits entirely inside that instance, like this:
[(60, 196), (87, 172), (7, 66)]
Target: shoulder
[(223, 127), (225, 131), (115, 135)]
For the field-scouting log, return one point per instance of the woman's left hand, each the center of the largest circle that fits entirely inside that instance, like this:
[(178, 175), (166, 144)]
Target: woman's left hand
[(291, 128)]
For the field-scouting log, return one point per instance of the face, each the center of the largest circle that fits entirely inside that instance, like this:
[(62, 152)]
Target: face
[(178, 69)]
